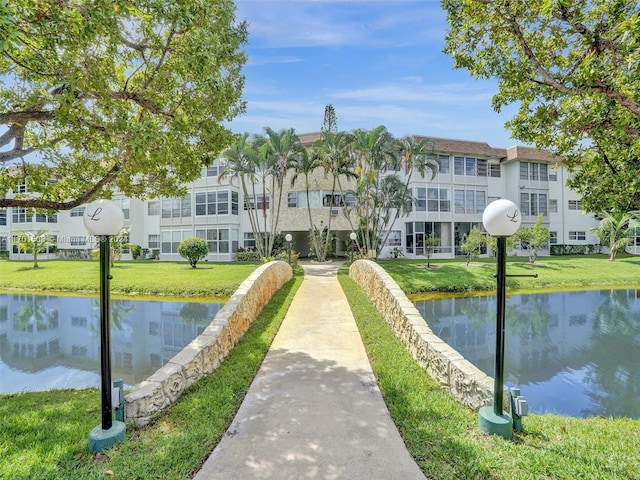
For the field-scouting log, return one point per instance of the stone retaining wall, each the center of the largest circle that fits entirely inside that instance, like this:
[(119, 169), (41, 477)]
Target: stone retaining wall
[(466, 383), (205, 353)]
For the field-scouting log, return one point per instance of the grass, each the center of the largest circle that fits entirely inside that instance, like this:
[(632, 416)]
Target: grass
[(553, 272), (443, 437), (44, 435), (129, 278)]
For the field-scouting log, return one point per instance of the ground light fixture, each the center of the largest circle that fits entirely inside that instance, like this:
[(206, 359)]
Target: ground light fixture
[(103, 219), (501, 219), (353, 237), (288, 238)]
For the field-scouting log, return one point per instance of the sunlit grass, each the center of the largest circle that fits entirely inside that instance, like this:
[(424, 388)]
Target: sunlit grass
[(44, 435)]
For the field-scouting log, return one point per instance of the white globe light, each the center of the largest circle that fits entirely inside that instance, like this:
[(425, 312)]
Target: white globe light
[(288, 237), (103, 217), (352, 235), (501, 218)]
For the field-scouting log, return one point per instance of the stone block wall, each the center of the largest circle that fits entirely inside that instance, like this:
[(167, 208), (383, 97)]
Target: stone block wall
[(205, 353), (465, 383)]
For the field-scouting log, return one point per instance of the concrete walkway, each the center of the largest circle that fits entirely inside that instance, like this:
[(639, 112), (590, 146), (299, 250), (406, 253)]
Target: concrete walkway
[(314, 409)]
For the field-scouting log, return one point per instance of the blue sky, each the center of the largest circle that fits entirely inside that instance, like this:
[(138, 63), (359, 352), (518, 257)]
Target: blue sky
[(378, 62)]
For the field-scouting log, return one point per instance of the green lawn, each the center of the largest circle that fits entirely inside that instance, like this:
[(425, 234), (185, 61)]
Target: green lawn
[(44, 435), (129, 278), (553, 272), (443, 436)]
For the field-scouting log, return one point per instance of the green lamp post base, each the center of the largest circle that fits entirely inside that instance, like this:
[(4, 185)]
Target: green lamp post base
[(494, 424), (100, 440)]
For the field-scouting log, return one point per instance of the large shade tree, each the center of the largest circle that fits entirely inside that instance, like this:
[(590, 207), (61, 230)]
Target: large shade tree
[(573, 67), (105, 94)]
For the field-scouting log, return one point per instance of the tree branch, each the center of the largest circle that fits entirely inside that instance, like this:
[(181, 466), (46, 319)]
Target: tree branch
[(51, 205)]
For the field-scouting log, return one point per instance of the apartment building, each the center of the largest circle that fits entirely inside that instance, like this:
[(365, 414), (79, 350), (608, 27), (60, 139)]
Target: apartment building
[(471, 175)]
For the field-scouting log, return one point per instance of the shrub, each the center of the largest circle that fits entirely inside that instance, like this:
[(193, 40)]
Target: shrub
[(193, 249), (136, 250), (247, 256)]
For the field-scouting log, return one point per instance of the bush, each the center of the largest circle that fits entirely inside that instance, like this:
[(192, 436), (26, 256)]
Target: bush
[(193, 249), (136, 250), (247, 256)]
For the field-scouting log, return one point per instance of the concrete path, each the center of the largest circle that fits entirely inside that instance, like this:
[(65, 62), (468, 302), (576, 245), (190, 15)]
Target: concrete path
[(314, 410)]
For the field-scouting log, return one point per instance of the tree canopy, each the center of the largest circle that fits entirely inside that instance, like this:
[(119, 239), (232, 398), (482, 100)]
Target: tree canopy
[(574, 69), (128, 94)]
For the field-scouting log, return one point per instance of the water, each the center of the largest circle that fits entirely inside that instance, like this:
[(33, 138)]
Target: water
[(573, 353), (51, 341)]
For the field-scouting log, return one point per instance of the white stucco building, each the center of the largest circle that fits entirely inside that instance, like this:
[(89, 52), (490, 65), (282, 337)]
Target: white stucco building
[(472, 174)]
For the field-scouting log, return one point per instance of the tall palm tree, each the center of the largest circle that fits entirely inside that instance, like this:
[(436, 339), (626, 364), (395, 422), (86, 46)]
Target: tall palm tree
[(613, 231), (240, 160), (281, 150), (415, 155)]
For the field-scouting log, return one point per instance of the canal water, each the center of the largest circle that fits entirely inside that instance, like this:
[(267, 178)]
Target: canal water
[(49, 341), (573, 353)]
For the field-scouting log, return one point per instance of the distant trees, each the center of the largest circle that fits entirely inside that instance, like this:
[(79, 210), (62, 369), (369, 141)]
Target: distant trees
[(34, 243), (533, 238), (613, 231)]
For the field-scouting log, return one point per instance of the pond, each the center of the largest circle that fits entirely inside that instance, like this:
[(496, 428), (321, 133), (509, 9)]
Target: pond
[(49, 341), (574, 353)]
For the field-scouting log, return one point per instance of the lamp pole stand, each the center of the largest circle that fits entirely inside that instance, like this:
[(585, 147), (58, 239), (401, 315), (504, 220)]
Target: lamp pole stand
[(108, 433), (492, 419)]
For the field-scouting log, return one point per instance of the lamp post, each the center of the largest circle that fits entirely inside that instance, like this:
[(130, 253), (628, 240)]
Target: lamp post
[(353, 237), (103, 218), (501, 219), (288, 238)]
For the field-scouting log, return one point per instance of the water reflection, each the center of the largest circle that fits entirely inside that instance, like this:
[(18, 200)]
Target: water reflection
[(54, 342), (573, 353)]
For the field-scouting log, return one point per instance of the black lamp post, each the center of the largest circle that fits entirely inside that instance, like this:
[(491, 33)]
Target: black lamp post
[(501, 219), (103, 218)]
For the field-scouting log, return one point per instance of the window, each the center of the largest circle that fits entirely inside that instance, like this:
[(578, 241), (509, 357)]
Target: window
[(470, 201), (438, 200), (213, 170), (257, 202), (153, 241), (124, 204), (553, 205), (575, 204), (350, 199), (553, 176), (22, 188), (44, 218), (249, 241), (445, 164), (3, 216), (533, 204), (335, 200), (176, 207), (395, 238), (77, 211), (292, 199), (234, 203), (494, 170), (553, 238), (153, 208), (469, 166), (170, 240), (77, 241), (534, 171), (217, 239), (577, 235), (421, 199), (22, 215)]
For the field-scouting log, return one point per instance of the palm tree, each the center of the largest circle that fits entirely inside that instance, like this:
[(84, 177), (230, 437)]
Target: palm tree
[(613, 231), (34, 243), (240, 160)]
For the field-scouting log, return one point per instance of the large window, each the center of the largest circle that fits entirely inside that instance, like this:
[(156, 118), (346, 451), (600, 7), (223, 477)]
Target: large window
[(494, 170), (153, 241), (432, 199), (77, 211), (445, 164), (292, 199), (217, 239), (395, 238), (533, 204), (22, 215), (3, 216), (176, 207), (171, 239), (212, 203), (534, 171), (44, 218), (470, 201), (249, 241), (469, 166)]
